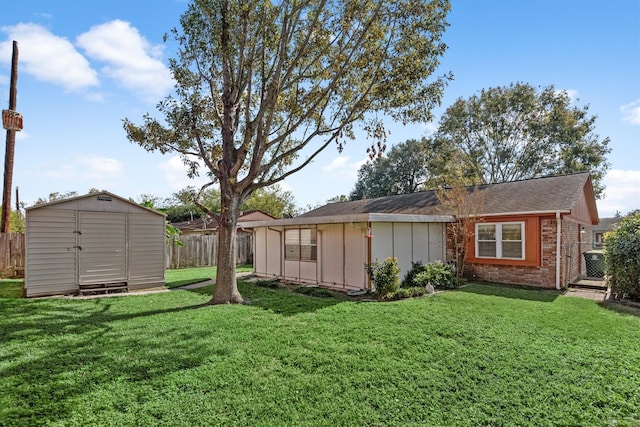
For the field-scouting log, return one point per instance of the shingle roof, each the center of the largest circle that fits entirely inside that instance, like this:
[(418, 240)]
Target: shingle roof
[(549, 194)]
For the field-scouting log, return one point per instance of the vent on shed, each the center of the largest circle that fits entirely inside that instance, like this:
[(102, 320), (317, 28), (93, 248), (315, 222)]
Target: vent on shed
[(104, 198)]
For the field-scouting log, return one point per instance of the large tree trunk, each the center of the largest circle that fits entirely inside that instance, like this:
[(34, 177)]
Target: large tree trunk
[(226, 289)]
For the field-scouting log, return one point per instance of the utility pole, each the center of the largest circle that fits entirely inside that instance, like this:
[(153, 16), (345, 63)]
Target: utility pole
[(12, 122)]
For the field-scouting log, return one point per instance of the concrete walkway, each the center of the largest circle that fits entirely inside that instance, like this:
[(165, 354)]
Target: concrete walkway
[(598, 295)]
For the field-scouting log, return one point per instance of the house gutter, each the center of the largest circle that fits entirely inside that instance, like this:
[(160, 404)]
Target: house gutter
[(558, 248)]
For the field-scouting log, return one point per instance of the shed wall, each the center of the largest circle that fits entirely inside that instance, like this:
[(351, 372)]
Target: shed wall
[(51, 256)]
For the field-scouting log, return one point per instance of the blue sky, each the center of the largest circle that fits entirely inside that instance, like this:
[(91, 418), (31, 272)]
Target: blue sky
[(84, 68)]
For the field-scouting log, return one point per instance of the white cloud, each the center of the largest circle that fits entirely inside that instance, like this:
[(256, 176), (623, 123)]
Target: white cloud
[(82, 173), (631, 112), (175, 175), (49, 58), (342, 169), (130, 58), (622, 192)]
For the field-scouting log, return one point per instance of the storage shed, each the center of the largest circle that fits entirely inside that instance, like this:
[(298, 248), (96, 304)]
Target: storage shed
[(95, 242)]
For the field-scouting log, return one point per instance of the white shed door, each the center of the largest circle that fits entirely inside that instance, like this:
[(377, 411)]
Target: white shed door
[(103, 247)]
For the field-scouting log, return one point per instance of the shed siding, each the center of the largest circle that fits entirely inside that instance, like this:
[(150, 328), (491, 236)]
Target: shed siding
[(146, 251), (103, 247), (51, 253)]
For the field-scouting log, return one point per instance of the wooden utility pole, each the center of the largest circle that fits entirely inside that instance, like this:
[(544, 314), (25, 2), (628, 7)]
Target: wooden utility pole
[(12, 122)]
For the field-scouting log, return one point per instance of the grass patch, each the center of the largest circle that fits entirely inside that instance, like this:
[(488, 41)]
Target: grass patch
[(11, 288), (487, 355), (187, 276)]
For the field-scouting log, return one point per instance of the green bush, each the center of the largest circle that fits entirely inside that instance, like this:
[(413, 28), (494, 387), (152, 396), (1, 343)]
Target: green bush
[(622, 257), (409, 279), (439, 275), (384, 276), (270, 284)]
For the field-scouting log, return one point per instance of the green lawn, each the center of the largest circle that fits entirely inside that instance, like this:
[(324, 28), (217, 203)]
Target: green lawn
[(484, 355), (186, 276)]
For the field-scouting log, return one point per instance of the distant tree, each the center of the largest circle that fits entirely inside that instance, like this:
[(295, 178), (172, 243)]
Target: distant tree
[(338, 199), (518, 132), (257, 82), (272, 200), (16, 222), (410, 166), (54, 197)]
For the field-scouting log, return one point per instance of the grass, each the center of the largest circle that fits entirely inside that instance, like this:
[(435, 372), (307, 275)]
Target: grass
[(187, 276), (11, 288), (486, 355)]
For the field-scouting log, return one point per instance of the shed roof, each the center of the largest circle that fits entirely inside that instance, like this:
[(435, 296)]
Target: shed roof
[(107, 196)]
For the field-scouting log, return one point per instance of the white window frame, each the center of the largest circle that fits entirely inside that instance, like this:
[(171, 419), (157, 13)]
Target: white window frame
[(499, 241), (304, 251)]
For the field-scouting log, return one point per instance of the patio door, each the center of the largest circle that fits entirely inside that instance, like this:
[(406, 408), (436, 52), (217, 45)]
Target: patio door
[(103, 247)]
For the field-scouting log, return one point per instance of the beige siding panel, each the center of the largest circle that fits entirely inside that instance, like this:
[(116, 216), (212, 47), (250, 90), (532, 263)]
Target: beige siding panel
[(382, 242), (103, 242), (260, 252), (436, 242), (331, 255), (355, 257), (274, 252), (308, 272), (51, 252), (146, 251), (291, 270), (420, 242), (403, 246)]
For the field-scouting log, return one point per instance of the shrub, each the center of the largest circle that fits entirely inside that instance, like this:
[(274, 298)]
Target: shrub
[(270, 284), (384, 276), (622, 257), (439, 275), (409, 279)]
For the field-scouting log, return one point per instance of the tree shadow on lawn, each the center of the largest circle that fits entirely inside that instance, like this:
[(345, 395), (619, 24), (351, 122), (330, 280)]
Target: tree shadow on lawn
[(511, 291), (621, 307), (282, 299), (64, 351)]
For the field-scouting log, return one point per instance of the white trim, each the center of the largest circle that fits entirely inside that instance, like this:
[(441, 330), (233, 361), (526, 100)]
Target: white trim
[(498, 239), (558, 248), (338, 219)]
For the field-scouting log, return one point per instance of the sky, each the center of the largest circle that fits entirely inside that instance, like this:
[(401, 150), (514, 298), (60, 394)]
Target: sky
[(85, 66)]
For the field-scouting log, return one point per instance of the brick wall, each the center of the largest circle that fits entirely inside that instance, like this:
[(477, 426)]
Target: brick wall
[(543, 276)]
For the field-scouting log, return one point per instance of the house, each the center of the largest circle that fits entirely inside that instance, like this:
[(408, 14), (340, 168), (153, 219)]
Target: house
[(208, 224), (605, 225), (528, 232), (99, 241)]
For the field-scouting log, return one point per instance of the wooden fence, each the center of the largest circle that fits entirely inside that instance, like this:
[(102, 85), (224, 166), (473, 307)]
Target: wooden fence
[(12, 254), (198, 251), (202, 251)]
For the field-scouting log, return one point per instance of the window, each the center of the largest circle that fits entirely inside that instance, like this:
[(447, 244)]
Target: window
[(300, 244), (500, 240)]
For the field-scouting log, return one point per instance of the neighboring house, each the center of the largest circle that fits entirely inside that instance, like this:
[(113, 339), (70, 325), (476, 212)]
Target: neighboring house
[(208, 224), (527, 232), (605, 225)]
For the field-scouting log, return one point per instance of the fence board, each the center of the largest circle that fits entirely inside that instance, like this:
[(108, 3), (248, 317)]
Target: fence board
[(201, 250), (12, 254)]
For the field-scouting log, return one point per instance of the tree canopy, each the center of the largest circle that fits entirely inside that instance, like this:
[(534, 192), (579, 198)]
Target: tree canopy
[(258, 82), (520, 132), (410, 166)]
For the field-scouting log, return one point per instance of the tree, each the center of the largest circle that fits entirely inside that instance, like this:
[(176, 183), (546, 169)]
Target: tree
[(410, 166), (272, 200), (465, 204), (259, 82), (518, 132)]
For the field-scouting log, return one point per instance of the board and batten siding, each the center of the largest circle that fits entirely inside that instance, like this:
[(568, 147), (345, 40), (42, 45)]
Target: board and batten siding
[(408, 242)]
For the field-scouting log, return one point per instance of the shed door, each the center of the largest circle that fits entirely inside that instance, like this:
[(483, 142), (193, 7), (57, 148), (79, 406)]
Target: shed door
[(103, 247)]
